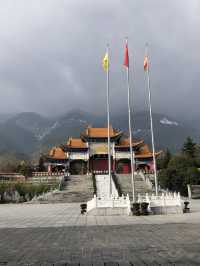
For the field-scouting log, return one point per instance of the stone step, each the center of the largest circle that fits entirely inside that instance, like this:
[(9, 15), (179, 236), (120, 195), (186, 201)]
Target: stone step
[(126, 185), (75, 189)]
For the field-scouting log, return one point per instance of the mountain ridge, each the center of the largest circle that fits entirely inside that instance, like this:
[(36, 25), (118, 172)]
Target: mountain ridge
[(31, 133)]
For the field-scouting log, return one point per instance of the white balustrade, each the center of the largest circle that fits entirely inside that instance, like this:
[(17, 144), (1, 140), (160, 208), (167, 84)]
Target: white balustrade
[(163, 200), (112, 202)]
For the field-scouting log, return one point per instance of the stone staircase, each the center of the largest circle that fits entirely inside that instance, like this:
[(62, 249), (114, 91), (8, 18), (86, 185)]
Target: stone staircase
[(76, 188), (141, 186)]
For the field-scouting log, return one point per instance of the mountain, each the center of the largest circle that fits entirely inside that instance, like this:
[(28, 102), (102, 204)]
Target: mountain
[(169, 132), (36, 124), (71, 124), (14, 138), (5, 116), (30, 133)]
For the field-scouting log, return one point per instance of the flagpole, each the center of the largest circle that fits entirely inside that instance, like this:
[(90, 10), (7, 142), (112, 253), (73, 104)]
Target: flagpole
[(151, 121), (130, 134), (108, 121)]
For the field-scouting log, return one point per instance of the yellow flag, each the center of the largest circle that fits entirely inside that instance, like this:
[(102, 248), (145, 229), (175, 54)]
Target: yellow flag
[(105, 62)]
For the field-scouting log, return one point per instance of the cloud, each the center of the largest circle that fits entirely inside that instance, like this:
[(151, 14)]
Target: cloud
[(51, 52)]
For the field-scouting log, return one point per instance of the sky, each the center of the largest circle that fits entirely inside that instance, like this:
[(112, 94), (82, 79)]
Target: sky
[(51, 55)]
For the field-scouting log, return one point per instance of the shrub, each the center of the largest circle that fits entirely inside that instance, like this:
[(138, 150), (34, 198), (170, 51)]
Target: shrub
[(3, 189), (26, 190)]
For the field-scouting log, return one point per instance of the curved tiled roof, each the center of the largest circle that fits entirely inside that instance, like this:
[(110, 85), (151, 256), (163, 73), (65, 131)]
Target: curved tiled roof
[(126, 143), (101, 132), (76, 143), (57, 153), (144, 152), (147, 155), (144, 149)]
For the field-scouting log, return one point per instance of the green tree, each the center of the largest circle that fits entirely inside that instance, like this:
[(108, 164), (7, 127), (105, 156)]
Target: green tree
[(163, 161), (25, 169), (41, 164), (189, 147), (181, 170), (197, 155), (8, 162)]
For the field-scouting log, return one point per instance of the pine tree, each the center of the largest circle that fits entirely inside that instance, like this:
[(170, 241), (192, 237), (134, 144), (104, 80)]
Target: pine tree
[(166, 159), (41, 164), (189, 147)]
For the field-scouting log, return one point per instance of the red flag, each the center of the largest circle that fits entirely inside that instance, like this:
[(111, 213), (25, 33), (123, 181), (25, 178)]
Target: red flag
[(146, 63), (126, 57)]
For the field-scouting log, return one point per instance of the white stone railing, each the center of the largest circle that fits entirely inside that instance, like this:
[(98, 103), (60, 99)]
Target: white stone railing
[(148, 183), (47, 173), (45, 179), (140, 173), (162, 204), (145, 179), (165, 199), (112, 202)]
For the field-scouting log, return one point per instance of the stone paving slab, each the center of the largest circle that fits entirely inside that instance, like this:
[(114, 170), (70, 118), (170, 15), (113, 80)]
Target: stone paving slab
[(57, 234), (165, 244), (61, 215)]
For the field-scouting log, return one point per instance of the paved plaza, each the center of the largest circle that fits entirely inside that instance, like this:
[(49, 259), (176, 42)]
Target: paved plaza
[(56, 234), (68, 214)]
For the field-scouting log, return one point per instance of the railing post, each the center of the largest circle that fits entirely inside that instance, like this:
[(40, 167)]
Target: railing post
[(179, 195), (95, 199), (163, 201), (189, 191), (147, 197), (139, 198)]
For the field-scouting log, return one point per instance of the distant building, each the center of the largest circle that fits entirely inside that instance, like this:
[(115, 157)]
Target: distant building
[(89, 153)]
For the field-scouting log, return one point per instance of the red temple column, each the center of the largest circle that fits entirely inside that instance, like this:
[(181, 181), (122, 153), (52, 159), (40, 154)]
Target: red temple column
[(113, 165)]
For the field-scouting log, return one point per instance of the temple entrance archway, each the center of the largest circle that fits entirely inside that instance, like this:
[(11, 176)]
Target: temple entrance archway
[(78, 167), (145, 168), (57, 168), (99, 163), (123, 166)]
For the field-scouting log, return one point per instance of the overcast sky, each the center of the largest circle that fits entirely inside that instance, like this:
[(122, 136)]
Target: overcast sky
[(51, 53)]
